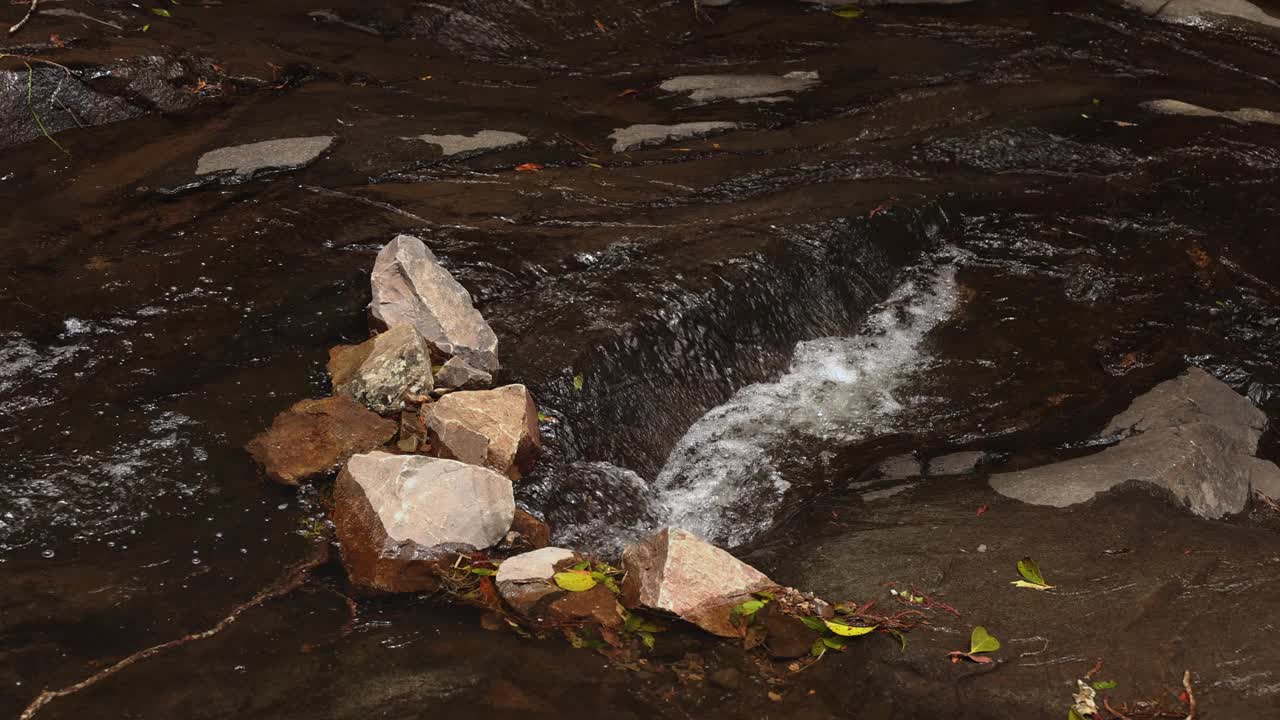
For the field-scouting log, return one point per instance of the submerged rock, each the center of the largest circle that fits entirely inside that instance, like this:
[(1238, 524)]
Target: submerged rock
[(459, 375), (247, 161), (398, 517), (638, 136), (675, 571), (483, 141), (380, 371), (960, 463), (1176, 9), (743, 88), (1243, 115), (314, 436), (411, 287), (495, 428), (1193, 436)]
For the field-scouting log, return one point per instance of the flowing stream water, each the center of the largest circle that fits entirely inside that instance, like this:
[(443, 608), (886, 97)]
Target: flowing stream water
[(932, 228)]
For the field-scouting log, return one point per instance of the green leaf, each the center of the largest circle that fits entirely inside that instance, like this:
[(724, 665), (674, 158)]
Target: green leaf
[(901, 638), (578, 382), (1033, 586), (834, 643), (764, 595), (146, 27), (848, 12), (1073, 715), (649, 627), (633, 622), (161, 12), (647, 638), (848, 630), (582, 565), (575, 582), (1104, 685), (483, 571), (1030, 571), (818, 649), (814, 624), (981, 641), (750, 607), (606, 581)]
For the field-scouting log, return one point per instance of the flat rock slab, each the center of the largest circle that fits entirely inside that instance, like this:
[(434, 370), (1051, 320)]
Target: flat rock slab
[(381, 371), (1193, 436), (1241, 9), (245, 161), (742, 88), (675, 571), (314, 436), (411, 287), (960, 463), (1243, 115), (395, 514), (495, 428), (638, 136), (483, 141)]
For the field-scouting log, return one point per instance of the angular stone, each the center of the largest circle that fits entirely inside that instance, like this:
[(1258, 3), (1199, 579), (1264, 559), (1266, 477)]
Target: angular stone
[(638, 136), (382, 370), (1193, 436), (526, 583), (398, 517), (314, 436), (459, 375), (411, 287), (249, 160), (675, 571), (495, 428)]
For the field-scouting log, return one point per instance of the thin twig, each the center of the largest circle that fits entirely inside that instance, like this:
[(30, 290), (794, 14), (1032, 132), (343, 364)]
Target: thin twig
[(1107, 704), (1191, 696), (30, 11), (289, 582)]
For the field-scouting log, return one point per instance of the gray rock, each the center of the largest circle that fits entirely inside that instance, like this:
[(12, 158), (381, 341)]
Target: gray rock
[(484, 140), (675, 571), (390, 365), (459, 375), (1182, 9), (245, 161), (886, 492), (961, 463), (392, 511), (411, 287), (95, 96), (495, 428), (710, 88), (1243, 115), (1192, 436), (900, 467), (637, 136), (525, 579), (1264, 476)]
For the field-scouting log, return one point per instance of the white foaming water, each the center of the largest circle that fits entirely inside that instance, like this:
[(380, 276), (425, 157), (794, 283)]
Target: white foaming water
[(721, 480)]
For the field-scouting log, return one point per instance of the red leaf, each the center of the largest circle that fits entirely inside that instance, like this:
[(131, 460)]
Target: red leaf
[(601, 26), (528, 167), (1184, 698), (979, 658), (879, 209), (983, 508), (627, 92)]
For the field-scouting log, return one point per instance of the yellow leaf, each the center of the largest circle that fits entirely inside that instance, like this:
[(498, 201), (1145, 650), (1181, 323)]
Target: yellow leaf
[(1033, 586), (849, 630), (575, 581)]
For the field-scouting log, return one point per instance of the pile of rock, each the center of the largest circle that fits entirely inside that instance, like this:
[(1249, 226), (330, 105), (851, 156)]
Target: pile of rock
[(428, 455)]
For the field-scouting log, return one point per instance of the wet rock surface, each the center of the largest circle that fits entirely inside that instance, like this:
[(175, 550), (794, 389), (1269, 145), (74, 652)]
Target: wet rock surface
[(380, 372), (313, 437), (638, 136), (411, 287), (1243, 115), (677, 572), (481, 141), (244, 162), (398, 517), (495, 428), (1192, 436)]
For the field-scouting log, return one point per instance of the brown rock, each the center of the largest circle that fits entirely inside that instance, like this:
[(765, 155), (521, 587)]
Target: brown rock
[(785, 636), (495, 428), (526, 584), (459, 375), (413, 432), (675, 571), (314, 436), (400, 517), (533, 532)]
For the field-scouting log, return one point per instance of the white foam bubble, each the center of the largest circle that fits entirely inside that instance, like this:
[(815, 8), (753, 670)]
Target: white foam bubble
[(722, 481)]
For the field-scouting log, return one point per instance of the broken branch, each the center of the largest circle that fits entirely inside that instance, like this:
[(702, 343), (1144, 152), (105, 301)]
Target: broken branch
[(30, 11)]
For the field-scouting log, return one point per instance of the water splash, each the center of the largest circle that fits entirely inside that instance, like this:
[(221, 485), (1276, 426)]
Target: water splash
[(722, 480)]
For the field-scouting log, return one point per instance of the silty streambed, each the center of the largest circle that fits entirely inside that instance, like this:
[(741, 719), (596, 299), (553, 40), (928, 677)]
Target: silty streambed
[(966, 233)]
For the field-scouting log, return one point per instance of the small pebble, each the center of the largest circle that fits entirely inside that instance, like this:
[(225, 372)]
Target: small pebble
[(982, 548)]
